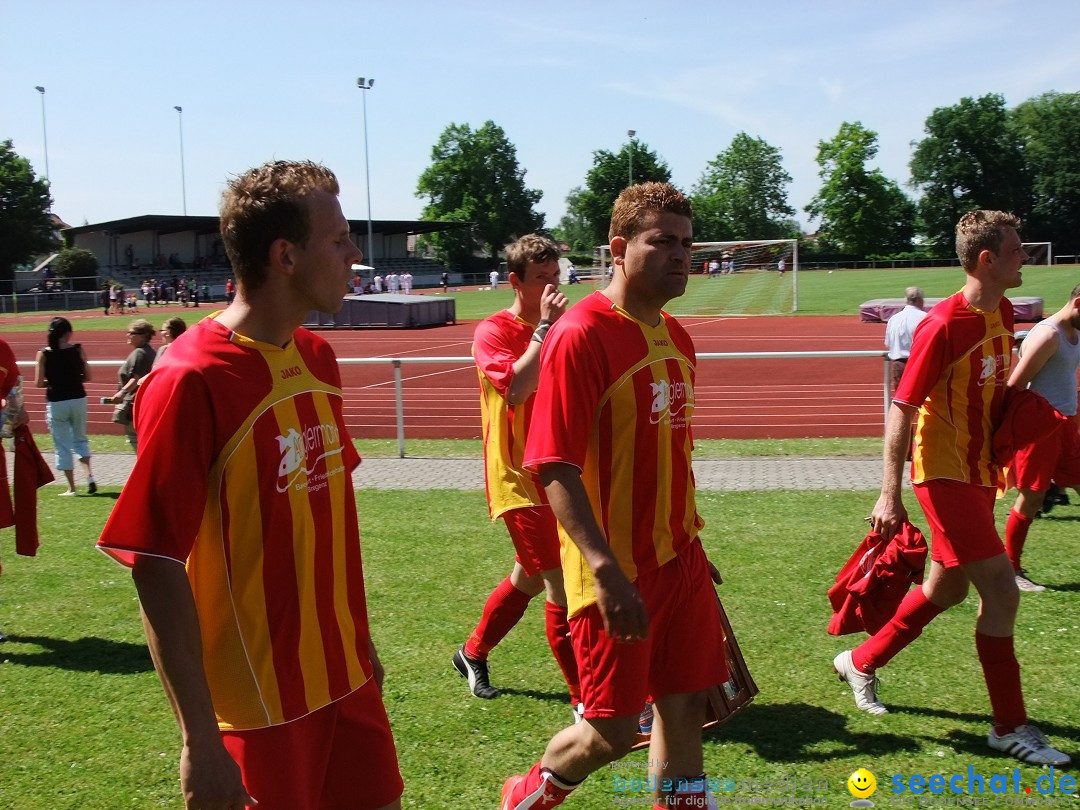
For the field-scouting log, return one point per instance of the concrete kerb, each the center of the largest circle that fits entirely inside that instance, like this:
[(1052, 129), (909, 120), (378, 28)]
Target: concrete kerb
[(717, 475)]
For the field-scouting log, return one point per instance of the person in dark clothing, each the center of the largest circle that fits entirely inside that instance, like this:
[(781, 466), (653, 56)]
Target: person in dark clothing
[(61, 371)]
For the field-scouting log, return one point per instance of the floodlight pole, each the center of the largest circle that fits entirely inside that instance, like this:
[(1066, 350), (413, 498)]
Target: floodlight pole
[(365, 85), (44, 130), (183, 179), (631, 133)]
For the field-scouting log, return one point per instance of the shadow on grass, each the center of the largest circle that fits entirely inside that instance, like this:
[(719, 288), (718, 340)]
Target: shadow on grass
[(87, 654), (799, 732), (558, 697), (976, 743)]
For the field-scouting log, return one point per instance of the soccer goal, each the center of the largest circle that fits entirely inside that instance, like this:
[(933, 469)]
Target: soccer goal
[(1041, 253), (748, 277)]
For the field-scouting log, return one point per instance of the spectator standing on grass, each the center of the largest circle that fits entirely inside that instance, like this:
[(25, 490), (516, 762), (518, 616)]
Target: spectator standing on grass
[(1049, 362), (899, 331), (444, 279), (137, 365), (493, 277), (506, 348), (610, 438), (62, 370), (252, 584), (956, 380), (230, 291), (170, 330)]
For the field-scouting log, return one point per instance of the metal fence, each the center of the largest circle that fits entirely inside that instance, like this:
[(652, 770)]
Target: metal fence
[(399, 392)]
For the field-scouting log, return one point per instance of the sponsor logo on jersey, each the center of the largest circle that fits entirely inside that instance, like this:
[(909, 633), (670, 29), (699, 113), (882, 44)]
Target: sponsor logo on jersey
[(672, 403), (303, 451)]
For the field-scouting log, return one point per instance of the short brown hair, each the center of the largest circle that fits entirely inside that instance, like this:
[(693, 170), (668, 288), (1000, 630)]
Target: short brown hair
[(635, 204), (268, 203), (142, 327), (981, 230), (530, 248), (174, 326)]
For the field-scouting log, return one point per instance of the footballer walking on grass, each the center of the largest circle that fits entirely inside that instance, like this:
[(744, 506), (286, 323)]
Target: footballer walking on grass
[(610, 438), (506, 348), (956, 380), (251, 585)]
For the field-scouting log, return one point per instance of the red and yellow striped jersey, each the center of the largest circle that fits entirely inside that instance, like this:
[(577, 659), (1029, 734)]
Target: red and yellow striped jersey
[(244, 474), (615, 400), (960, 363), (498, 343)]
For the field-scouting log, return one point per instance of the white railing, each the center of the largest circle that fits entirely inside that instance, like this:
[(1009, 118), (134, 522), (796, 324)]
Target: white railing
[(398, 362)]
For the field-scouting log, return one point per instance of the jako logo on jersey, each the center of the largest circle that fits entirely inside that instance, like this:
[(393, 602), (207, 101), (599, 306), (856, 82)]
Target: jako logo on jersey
[(669, 401), (286, 373), (297, 447)]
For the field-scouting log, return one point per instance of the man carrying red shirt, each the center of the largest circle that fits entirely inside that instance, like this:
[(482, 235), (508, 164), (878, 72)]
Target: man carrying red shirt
[(1049, 361), (610, 438), (506, 347), (253, 602), (956, 379)]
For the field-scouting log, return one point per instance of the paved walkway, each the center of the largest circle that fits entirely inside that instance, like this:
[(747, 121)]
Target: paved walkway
[(721, 475)]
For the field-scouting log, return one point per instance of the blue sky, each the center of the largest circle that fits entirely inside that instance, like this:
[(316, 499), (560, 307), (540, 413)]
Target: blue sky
[(272, 79)]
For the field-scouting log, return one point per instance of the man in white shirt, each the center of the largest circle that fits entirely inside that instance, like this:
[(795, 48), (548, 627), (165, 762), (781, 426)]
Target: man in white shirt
[(493, 276), (898, 332)]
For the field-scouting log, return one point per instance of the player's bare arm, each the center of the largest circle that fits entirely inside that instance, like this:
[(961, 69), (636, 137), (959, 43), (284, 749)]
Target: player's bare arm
[(889, 511), (1039, 346), (620, 603), (209, 777), (527, 368)]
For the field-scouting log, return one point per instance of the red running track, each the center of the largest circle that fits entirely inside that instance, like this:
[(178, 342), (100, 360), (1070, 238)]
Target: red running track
[(736, 399)]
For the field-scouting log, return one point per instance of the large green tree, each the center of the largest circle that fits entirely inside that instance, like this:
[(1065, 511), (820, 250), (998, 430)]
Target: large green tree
[(26, 229), (474, 176), (970, 158), (573, 228), (1049, 128), (743, 194), (609, 175), (861, 211)]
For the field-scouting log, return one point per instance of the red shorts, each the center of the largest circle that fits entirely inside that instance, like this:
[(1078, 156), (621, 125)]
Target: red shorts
[(535, 533), (961, 518), (683, 653), (1055, 458), (340, 756)]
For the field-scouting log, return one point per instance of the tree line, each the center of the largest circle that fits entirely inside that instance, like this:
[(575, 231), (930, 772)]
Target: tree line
[(974, 154)]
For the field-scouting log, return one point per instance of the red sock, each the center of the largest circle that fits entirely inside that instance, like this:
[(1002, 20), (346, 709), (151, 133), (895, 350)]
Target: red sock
[(558, 633), (540, 787), (914, 613), (1016, 532), (504, 609), (1002, 673)]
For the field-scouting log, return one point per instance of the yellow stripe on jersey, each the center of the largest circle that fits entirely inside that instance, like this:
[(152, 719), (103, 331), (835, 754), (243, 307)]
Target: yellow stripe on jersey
[(316, 685), (508, 487), (340, 489), (245, 546)]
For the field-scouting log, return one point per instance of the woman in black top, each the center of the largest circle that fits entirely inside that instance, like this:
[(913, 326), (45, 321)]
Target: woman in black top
[(61, 371)]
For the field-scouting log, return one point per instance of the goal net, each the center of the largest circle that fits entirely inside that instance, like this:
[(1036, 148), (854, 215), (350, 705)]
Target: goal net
[(1041, 253), (749, 277)]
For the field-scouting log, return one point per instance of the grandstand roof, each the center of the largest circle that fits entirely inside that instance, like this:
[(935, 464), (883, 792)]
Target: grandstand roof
[(164, 223)]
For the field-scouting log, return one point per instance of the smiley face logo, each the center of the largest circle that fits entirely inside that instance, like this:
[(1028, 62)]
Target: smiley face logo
[(862, 784)]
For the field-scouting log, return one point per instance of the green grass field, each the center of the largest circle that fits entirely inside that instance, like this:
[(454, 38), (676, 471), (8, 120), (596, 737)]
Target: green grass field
[(820, 293), (84, 724)]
